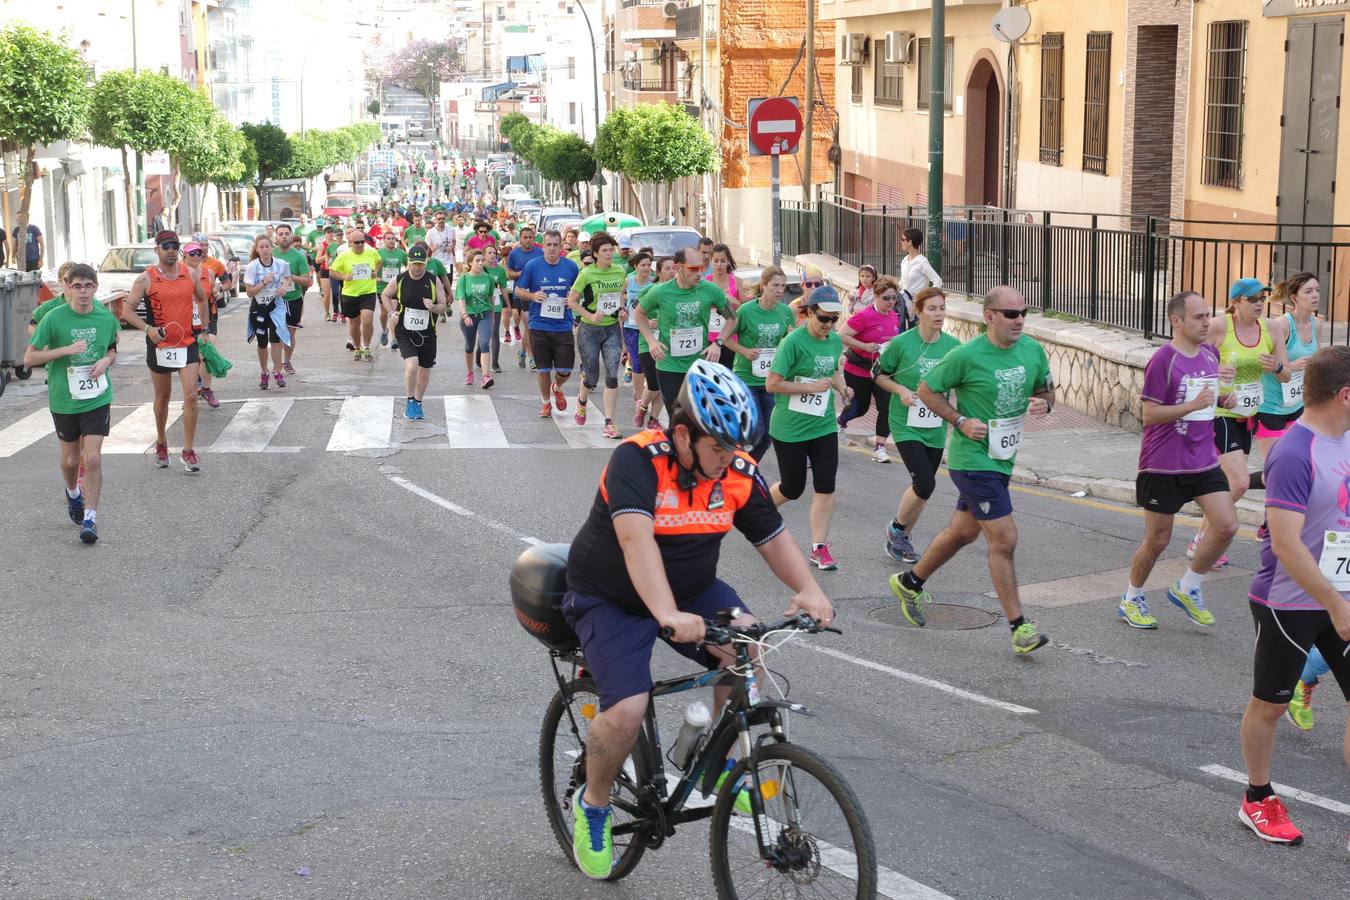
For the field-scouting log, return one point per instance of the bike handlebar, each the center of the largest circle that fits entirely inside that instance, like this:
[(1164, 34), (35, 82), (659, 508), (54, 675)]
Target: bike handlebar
[(718, 633)]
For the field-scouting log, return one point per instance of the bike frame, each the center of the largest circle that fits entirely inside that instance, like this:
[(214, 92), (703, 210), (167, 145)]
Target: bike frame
[(655, 817)]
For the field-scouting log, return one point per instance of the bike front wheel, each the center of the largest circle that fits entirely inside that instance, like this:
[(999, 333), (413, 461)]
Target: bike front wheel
[(562, 771), (817, 840)]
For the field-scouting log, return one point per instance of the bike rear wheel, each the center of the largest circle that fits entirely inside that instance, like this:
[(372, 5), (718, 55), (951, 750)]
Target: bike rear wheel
[(562, 771), (815, 825)]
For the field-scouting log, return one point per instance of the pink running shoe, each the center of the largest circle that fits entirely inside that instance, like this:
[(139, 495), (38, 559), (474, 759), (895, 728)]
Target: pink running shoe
[(822, 559)]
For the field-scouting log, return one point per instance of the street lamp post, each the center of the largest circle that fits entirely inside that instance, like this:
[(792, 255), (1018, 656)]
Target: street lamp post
[(595, 86)]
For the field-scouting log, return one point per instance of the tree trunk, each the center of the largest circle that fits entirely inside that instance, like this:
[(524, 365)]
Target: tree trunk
[(670, 202), (131, 200), (171, 209), (642, 207)]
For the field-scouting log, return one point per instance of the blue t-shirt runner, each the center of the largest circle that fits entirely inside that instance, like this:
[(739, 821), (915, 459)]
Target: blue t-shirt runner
[(554, 280)]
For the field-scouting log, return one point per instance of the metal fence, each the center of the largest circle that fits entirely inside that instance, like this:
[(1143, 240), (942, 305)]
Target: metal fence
[(1106, 269)]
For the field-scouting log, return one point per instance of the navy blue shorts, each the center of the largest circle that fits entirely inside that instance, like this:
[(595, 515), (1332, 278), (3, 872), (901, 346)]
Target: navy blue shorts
[(618, 643), (983, 494)]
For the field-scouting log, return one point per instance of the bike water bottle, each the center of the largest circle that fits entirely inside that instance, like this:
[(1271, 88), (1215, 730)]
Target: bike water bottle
[(697, 721)]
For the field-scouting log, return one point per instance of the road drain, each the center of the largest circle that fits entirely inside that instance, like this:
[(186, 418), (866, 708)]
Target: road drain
[(942, 616)]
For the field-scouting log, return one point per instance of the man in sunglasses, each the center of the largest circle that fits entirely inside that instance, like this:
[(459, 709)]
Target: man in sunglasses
[(999, 377), (357, 268)]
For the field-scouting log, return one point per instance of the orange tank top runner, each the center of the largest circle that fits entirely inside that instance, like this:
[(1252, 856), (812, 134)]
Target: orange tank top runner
[(708, 507), (169, 303)]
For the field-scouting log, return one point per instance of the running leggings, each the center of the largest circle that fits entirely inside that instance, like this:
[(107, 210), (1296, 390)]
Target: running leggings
[(922, 461), (864, 390), (823, 454)]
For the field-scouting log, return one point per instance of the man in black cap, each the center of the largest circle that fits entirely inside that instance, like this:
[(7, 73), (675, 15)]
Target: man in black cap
[(414, 299)]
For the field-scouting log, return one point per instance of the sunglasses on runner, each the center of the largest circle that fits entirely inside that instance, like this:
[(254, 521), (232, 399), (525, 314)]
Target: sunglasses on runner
[(1012, 313), (694, 268), (169, 245), (827, 320), (812, 284), (196, 253), (889, 295), (358, 243)]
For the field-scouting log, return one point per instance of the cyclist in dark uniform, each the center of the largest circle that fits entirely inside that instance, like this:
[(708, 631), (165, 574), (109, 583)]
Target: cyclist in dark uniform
[(646, 559)]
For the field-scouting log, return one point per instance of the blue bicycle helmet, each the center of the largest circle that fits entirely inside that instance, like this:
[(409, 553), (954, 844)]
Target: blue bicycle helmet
[(715, 402)]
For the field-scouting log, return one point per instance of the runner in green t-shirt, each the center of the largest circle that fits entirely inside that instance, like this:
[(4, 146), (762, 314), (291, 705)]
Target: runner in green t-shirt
[(474, 292), (804, 377), (761, 326), (919, 434), (393, 259), (597, 301), (77, 343), (295, 257), (999, 377), (681, 310), (649, 403), (415, 232), (492, 266)]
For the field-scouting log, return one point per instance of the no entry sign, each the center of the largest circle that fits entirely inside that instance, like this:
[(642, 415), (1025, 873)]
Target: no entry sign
[(775, 123)]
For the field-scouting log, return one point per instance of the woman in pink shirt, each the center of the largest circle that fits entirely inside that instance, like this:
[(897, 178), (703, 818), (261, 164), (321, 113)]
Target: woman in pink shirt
[(864, 335), (482, 237), (722, 275)]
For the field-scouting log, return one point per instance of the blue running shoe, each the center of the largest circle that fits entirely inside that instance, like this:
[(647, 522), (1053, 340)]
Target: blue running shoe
[(75, 506), (88, 533)]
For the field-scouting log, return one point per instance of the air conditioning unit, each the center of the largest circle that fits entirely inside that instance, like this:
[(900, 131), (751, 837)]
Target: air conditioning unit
[(670, 8), (897, 47), (853, 49)]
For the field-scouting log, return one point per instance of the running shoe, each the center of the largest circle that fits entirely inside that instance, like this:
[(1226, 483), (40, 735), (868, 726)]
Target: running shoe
[(468, 379), (506, 339), (288, 368), (88, 532), (210, 397), (1300, 706), (1136, 613), (1191, 604), (898, 545), (628, 375), (415, 410), (162, 455), (279, 378), (592, 838), (384, 339), (496, 368), (262, 381), (487, 382), (611, 432), (1270, 820), (653, 422), (520, 359), (350, 345), (1190, 553), (1026, 637), (191, 462), (742, 802), (640, 416), (367, 355), (75, 508), (393, 344), (546, 411), (529, 361), (357, 356), (911, 602), (327, 317), (559, 400), (879, 455), (580, 417), (1262, 533), (516, 329), (822, 558)]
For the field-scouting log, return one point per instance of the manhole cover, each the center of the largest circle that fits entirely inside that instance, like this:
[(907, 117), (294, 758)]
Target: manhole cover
[(943, 616)]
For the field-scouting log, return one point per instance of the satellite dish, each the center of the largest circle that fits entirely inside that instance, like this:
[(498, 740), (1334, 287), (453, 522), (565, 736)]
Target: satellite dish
[(1011, 23)]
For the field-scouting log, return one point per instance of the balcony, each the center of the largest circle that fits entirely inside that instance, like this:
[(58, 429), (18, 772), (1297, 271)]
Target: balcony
[(643, 20), (647, 90), (689, 23)]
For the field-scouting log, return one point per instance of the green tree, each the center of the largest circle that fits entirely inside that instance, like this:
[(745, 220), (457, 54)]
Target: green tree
[(44, 98), (373, 107), (611, 142), (271, 151), (509, 123), (566, 159), (524, 137), (664, 145), (219, 159)]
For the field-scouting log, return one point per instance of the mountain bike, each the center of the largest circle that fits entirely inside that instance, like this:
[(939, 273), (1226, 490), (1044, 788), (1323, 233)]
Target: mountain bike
[(806, 832)]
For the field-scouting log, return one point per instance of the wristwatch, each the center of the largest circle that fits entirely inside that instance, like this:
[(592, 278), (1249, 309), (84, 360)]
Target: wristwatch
[(959, 420), (718, 342)]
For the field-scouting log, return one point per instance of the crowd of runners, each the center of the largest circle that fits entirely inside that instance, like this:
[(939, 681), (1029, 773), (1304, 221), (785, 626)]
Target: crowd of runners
[(441, 254)]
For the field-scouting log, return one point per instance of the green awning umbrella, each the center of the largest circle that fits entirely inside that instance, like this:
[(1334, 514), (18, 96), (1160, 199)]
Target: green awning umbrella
[(610, 221)]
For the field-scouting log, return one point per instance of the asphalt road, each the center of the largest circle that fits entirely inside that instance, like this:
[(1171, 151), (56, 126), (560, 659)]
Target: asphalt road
[(293, 663)]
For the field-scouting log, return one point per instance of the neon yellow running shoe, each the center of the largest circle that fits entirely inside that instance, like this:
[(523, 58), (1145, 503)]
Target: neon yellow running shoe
[(1026, 637), (1300, 706), (911, 602), (742, 802), (1191, 603), (1136, 613), (592, 838)]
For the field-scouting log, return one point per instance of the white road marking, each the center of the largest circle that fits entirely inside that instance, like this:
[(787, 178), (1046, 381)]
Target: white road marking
[(926, 682), (136, 433), (461, 511), (252, 428), (581, 437), (471, 423), (365, 423), (29, 430), (1284, 790)]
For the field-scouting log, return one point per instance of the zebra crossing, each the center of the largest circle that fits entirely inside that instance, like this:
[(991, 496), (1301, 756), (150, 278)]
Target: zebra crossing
[(360, 423)]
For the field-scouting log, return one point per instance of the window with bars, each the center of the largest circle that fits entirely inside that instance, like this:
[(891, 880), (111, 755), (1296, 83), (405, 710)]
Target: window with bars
[(1096, 101), (856, 85), (888, 82), (1225, 87), (1052, 99), (925, 64)]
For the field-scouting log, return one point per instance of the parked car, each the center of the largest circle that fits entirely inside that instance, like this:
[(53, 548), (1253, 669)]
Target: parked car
[(511, 192), (415, 129), (238, 245), (553, 217), (340, 203), (664, 239), (749, 278), (254, 227), (369, 192), (120, 266)]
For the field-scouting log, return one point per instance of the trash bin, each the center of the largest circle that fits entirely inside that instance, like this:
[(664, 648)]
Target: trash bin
[(18, 299)]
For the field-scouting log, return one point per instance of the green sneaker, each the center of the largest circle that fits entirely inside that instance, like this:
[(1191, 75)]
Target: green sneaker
[(1300, 706), (911, 602), (742, 802), (1136, 613), (592, 838), (1191, 604), (1026, 638)]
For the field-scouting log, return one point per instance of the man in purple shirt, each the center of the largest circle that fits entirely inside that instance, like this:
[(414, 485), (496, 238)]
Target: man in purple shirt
[(1301, 596), (1179, 462)]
